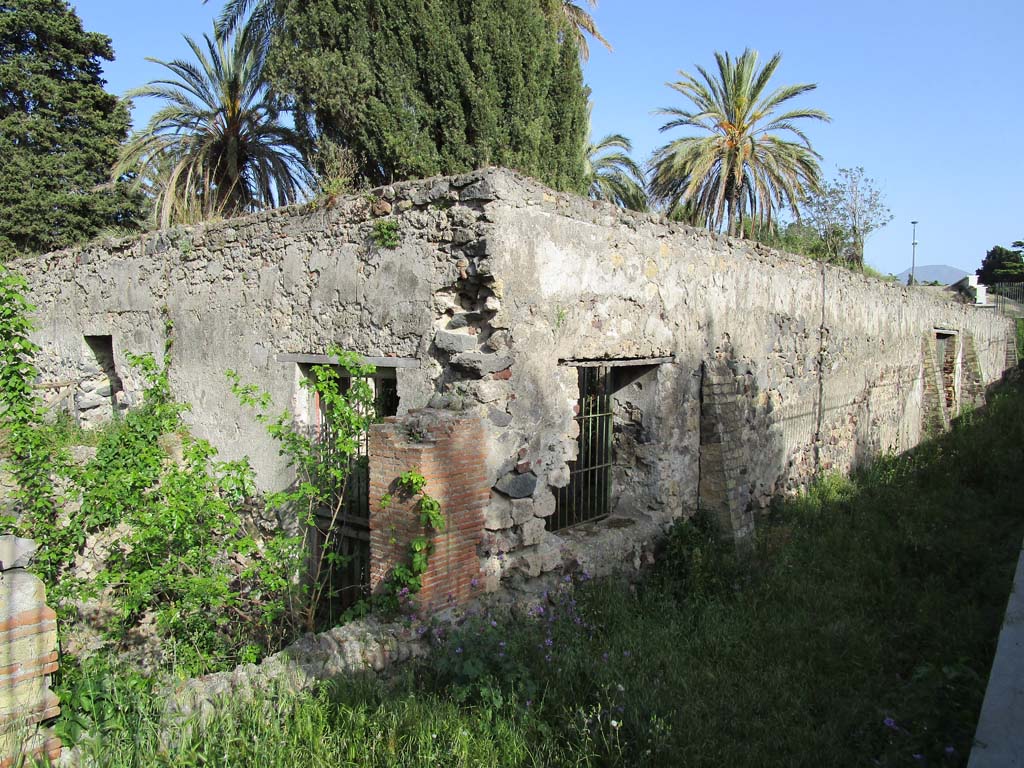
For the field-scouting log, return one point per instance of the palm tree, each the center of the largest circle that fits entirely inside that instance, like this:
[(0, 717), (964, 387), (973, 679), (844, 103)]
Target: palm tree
[(613, 175), (217, 148), (743, 166), (580, 22), (263, 17)]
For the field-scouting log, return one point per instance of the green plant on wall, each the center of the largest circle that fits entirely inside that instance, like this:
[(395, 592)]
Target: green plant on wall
[(407, 579), (30, 456), (385, 233), (322, 471)]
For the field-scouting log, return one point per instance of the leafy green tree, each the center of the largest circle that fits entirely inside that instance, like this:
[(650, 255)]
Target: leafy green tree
[(218, 147), (415, 88), (1003, 265), (265, 16), (844, 212), (613, 175), (59, 131), (740, 165)]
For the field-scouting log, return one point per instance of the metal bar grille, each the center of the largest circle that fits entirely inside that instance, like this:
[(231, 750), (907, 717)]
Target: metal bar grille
[(588, 495), (347, 576)]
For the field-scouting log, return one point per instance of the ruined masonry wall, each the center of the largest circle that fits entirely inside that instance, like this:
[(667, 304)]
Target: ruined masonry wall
[(782, 367), (772, 367), (239, 294)]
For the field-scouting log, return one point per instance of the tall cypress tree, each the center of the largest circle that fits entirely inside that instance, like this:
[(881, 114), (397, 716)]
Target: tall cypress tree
[(59, 130), (420, 87)]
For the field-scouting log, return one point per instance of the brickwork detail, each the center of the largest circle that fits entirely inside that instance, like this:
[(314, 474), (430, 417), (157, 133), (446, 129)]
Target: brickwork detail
[(934, 420), (28, 657), (1011, 349), (449, 450), (949, 378), (722, 490), (972, 385)]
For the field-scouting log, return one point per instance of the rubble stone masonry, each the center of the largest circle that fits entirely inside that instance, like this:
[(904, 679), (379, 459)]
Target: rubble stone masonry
[(759, 369)]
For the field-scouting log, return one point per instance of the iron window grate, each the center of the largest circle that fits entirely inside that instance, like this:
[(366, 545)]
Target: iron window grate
[(588, 495)]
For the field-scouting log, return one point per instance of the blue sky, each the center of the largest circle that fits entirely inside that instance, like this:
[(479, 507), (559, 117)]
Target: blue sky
[(927, 97)]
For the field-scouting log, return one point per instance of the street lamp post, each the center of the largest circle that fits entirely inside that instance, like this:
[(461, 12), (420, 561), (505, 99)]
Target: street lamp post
[(913, 255)]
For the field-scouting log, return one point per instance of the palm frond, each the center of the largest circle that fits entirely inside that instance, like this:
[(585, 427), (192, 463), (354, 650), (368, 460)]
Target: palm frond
[(613, 175)]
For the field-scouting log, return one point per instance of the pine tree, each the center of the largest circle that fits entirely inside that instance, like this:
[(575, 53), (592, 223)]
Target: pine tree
[(420, 87), (59, 131)]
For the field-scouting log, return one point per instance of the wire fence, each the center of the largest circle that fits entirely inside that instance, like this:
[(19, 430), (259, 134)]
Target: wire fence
[(1008, 298), (1009, 302)]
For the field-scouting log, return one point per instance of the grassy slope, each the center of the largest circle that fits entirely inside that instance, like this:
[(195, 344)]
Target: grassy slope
[(860, 633)]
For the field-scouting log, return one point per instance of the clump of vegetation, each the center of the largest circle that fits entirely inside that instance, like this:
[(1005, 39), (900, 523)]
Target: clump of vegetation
[(407, 579), (385, 233), (335, 172), (172, 529), (860, 632), (169, 545)]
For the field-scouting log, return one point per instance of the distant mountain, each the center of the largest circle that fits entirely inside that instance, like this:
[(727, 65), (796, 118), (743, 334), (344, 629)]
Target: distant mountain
[(925, 274)]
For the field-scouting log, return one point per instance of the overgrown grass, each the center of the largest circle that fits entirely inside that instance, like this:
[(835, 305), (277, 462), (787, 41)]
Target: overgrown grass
[(860, 633)]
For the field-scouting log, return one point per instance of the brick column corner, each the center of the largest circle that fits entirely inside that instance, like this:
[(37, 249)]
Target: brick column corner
[(449, 450), (28, 657)]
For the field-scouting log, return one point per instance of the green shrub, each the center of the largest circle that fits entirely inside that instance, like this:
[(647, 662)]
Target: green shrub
[(697, 562), (385, 233), (177, 552)]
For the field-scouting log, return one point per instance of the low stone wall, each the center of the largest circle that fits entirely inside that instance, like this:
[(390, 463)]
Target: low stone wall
[(28, 657), (367, 645)]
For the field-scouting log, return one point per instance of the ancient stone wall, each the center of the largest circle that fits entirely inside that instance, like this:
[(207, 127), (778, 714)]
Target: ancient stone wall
[(753, 370), (260, 294), (787, 367)]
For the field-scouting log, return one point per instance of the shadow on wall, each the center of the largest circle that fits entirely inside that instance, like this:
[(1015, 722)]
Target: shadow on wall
[(752, 449)]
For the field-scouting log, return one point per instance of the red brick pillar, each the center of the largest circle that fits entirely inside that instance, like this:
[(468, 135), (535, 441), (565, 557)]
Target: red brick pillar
[(28, 656), (448, 449)]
